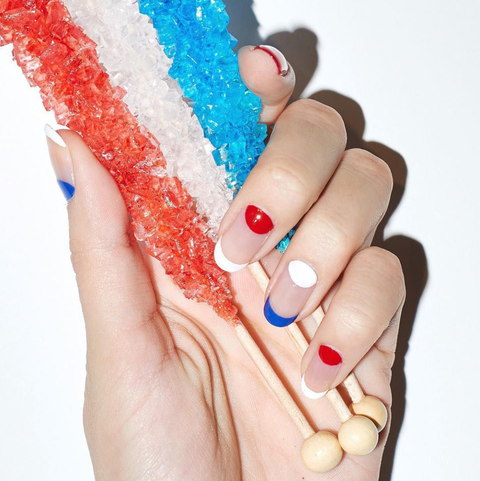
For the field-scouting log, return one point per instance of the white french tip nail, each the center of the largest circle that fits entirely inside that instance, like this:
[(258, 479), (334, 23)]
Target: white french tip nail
[(302, 274), (284, 67), (309, 393), (223, 262), (54, 136)]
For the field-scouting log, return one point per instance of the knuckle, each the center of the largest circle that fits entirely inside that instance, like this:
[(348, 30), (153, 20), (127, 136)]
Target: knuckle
[(335, 238), (290, 181), (386, 265), (98, 252), (320, 115), (357, 319), (374, 169)]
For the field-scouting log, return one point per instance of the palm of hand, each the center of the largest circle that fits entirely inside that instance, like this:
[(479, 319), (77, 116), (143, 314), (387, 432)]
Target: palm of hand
[(175, 396)]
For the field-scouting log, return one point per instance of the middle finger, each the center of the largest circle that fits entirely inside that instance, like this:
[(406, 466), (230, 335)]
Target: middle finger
[(304, 151)]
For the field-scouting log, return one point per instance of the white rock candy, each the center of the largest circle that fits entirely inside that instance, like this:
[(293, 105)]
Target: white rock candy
[(128, 49)]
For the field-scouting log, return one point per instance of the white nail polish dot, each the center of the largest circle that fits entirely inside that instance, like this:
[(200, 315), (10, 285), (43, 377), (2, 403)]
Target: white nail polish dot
[(302, 274)]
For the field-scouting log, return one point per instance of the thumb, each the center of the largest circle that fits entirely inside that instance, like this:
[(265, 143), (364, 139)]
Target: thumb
[(115, 288)]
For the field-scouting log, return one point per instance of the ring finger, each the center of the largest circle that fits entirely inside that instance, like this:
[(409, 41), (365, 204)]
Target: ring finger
[(336, 227), (370, 296)]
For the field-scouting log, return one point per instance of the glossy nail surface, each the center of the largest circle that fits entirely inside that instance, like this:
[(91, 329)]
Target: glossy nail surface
[(61, 162), (243, 239), (321, 372), (277, 57), (290, 293)]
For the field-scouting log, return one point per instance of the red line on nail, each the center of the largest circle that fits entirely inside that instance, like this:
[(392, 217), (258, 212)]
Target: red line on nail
[(329, 356), (257, 220), (275, 59)]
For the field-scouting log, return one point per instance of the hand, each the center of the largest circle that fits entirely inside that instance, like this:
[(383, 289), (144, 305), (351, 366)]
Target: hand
[(170, 393)]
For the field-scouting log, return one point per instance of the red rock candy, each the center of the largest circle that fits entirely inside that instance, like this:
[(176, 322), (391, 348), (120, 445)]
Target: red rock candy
[(61, 60)]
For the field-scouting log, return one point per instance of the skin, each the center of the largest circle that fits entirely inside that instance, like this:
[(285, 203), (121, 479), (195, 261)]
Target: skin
[(170, 393)]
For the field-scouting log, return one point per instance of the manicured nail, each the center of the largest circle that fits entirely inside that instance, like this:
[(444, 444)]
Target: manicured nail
[(61, 162), (278, 58), (243, 239), (290, 293), (321, 372)]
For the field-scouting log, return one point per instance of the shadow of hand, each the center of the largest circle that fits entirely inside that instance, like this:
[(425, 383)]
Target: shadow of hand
[(301, 49)]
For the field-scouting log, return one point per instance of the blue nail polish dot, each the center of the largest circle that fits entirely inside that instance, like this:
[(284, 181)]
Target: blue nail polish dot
[(67, 189), (274, 319)]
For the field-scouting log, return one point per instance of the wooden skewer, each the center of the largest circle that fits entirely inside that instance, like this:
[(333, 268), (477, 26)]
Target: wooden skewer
[(274, 381)]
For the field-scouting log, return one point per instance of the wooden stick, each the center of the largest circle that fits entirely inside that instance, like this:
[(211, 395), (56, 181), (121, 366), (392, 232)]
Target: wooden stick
[(339, 405), (274, 381), (354, 389)]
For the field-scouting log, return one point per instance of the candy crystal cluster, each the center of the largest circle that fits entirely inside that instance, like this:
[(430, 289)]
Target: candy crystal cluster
[(61, 60), (128, 50), (194, 34)]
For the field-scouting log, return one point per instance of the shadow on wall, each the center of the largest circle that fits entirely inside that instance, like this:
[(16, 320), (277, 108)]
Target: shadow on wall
[(301, 49)]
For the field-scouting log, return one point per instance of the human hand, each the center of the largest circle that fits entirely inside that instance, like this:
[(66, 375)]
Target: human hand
[(170, 393)]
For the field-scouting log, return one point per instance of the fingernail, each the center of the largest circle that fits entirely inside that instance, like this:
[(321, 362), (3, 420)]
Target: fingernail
[(290, 293), (61, 162), (321, 372), (278, 58), (243, 239)]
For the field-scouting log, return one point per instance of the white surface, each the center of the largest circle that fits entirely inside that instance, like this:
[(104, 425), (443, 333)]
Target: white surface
[(414, 69)]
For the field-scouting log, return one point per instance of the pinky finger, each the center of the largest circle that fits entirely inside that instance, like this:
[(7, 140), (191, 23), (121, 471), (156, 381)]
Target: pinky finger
[(370, 295)]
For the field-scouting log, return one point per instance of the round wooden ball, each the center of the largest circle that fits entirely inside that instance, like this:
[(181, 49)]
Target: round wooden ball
[(321, 452), (373, 409), (358, 436)]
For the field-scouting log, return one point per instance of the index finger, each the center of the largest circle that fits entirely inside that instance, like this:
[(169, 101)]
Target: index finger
[(266, 72)]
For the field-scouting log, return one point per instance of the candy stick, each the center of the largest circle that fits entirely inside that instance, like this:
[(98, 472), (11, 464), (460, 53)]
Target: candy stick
[(56, 56)]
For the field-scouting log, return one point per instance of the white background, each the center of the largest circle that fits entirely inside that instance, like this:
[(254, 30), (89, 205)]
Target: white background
[(414, 69)]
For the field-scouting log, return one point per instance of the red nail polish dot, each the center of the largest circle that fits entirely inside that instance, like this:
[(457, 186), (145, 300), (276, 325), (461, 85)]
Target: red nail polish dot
[(329, 356), (257, 220)]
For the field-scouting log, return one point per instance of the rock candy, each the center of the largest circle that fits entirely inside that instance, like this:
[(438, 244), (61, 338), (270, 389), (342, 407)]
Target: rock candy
[(129, 52), (56, 56), (194, 34)]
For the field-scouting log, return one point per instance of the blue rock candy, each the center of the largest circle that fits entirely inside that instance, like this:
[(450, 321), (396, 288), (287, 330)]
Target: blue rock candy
[(194, 34)]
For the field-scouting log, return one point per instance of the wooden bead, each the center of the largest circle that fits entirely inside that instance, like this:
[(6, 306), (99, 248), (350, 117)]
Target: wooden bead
[(321, 452), (358, 436), (372, 408)]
